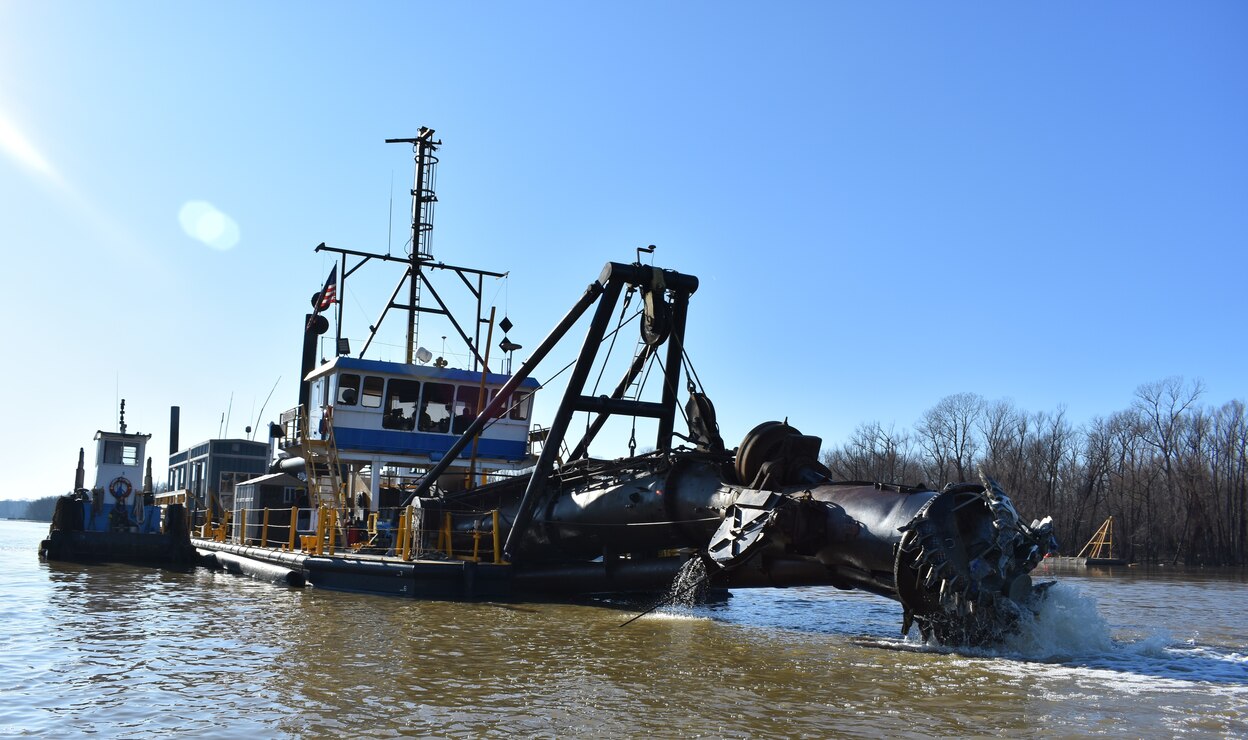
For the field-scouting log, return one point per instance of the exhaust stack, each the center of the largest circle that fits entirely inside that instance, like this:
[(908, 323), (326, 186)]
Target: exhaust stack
[(80, 476), (174, 413)]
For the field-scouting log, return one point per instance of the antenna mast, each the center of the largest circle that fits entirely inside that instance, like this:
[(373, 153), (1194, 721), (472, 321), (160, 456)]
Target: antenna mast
[(419, 264), (423, 200)]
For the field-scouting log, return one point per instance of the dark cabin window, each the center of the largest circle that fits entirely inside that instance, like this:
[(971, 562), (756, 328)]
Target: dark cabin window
[(520, 402), (401, 399), (348, 389), (373, 387), (501, 413), (435, 412), (120, 453), (465, 408), (231, 480)]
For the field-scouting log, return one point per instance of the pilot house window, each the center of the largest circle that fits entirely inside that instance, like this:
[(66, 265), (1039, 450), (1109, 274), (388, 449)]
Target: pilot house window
[(373, 386), (465, 407), (401, 404), (516, 406), (120, 453), (435, 413), (520, 403), (348, 389)]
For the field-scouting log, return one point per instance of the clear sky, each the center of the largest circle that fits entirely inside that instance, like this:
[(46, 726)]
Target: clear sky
[(886, 203)]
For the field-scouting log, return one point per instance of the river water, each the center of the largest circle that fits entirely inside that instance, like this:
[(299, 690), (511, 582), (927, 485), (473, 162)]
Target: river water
[(122, 651)]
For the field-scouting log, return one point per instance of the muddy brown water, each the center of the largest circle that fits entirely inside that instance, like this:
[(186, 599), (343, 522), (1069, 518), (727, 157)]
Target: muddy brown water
[(122, 651)]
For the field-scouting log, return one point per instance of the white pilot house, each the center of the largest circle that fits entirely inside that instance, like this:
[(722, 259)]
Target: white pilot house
[(389, 414)]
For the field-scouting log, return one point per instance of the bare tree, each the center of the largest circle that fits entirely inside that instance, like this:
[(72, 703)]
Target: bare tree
[(1091, 503), (946, 432), (1003, 429), (1162, 405), (1053, 448), (874, 453)]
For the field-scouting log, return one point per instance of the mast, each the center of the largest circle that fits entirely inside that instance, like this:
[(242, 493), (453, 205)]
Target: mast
[(423, 200), (419, 265)]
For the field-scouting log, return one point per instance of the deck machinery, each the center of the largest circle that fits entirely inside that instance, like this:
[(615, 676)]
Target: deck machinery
[(764, 514)]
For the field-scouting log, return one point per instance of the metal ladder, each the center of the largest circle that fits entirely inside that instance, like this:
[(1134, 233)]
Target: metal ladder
[(322, 465), (537, 441)]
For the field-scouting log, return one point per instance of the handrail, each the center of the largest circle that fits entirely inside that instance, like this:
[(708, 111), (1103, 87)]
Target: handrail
[(407, 536)]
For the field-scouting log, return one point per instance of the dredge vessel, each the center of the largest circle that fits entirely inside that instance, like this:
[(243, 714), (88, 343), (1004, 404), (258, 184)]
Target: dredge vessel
[(413, 478)]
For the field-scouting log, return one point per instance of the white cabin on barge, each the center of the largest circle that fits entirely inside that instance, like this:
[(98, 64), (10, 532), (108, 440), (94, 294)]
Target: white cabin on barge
[(119, 460), (410, 415)]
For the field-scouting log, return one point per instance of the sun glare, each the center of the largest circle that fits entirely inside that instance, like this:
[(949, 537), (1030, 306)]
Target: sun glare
[(203, 222), (17, 146)]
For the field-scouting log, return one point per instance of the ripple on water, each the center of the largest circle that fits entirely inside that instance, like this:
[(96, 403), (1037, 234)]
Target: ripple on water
[(129, 652)]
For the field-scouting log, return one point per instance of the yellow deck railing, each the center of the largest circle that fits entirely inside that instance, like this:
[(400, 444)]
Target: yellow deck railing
[(407, 540)]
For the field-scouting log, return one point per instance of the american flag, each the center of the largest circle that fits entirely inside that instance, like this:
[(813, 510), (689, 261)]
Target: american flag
[(329, 294)]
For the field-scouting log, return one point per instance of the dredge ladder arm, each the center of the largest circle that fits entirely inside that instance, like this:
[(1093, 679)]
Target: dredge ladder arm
[(605, 291)]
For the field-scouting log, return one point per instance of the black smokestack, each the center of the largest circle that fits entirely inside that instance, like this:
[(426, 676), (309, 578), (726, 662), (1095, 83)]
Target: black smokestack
[(80, 476), (314, 326), (174, 413)]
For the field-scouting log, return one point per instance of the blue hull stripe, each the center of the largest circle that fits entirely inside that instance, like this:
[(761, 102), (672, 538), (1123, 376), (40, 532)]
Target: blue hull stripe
[(421, 443)]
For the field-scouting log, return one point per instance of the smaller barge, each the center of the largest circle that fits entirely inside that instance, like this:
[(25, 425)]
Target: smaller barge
[(113, 521)]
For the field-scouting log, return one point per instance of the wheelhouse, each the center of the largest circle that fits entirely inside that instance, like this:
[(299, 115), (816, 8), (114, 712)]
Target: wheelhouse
[(412, 414), (119, 457)]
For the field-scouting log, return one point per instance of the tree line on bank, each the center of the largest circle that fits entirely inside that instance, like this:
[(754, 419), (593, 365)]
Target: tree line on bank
[(1172, 473), (38, 510)]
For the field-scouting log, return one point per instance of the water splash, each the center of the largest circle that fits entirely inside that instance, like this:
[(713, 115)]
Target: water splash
[(690, 585), (1067, 625), (688, 589), (1069, 632)]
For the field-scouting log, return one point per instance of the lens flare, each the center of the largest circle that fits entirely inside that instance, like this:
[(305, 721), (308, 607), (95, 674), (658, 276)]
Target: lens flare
[(203, 222)]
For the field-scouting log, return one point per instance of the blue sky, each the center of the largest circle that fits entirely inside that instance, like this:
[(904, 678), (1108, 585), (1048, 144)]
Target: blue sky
[(886, 202)]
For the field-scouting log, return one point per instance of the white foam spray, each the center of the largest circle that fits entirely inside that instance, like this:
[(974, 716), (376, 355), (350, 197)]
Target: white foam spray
[(1069, 631), (1068, 625)]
